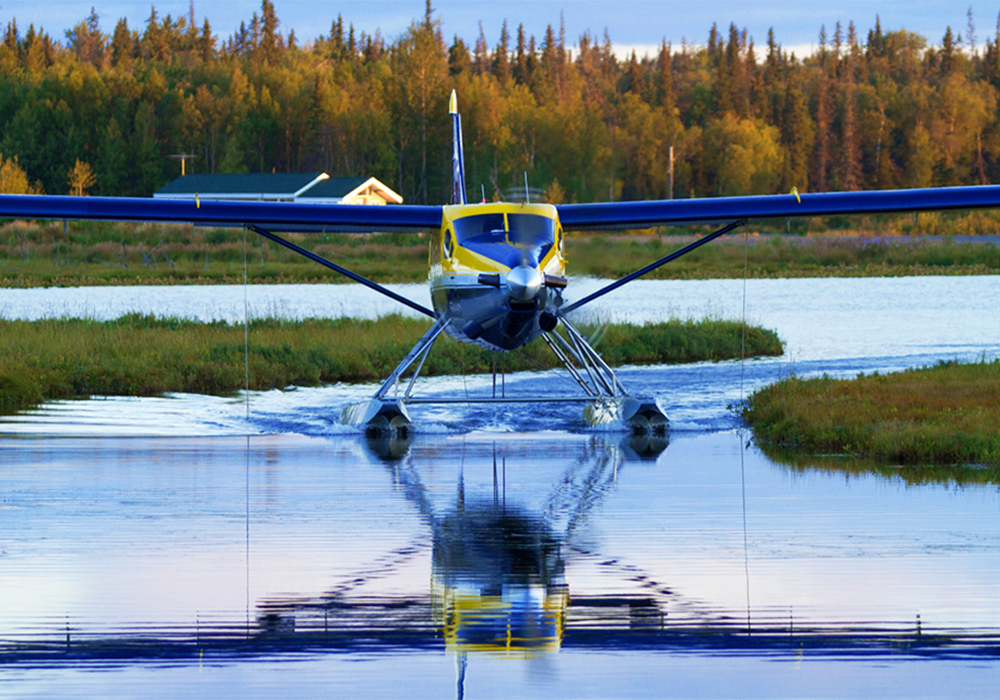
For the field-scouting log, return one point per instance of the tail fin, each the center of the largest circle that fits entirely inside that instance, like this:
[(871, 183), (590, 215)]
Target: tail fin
[(457, 153)]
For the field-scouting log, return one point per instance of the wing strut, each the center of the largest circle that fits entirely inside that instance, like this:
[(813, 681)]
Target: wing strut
[(652, 266), (337, 268)]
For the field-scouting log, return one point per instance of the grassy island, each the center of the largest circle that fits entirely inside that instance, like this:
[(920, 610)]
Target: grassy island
[(138, 355), (945, 414)]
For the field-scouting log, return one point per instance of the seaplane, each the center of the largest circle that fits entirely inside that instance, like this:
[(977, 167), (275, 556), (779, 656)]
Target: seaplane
[(497, 273)]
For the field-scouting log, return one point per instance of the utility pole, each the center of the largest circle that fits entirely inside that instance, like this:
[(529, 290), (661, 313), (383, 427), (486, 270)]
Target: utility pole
[(183, 157), (671, 172)]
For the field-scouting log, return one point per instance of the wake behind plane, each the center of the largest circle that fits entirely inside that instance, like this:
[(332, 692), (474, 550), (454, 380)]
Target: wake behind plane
[(497, 271)]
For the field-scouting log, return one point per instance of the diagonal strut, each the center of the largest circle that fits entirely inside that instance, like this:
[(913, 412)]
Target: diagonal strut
[(342, 270), (652, 266)]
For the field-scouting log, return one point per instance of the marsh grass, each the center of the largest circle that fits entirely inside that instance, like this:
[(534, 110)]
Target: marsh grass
[(783, 256), (945, 414), (911, 474), (97, 253), (141, 355)]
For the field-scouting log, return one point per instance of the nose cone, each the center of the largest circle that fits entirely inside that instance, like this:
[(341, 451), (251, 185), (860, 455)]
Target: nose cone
[(524, 282)]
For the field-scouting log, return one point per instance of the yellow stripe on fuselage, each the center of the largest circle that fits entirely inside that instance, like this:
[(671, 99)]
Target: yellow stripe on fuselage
[(463, 261)]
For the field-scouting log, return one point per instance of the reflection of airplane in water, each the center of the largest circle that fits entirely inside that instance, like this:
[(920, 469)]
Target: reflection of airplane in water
[(508, 577), (497, 567), (497, 581)]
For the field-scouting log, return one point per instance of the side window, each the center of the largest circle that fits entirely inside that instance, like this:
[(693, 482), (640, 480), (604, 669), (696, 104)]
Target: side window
[(449, 244)]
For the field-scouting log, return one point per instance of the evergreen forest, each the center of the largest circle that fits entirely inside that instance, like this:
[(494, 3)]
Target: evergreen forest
[(100, 112)]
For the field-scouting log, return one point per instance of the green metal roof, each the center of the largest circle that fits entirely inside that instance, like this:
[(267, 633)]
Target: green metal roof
[(285, 184)]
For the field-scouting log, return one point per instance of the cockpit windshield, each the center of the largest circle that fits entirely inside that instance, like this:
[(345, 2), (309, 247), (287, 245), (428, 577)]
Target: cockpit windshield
[(482, 228), (520, 229), (531, 229)]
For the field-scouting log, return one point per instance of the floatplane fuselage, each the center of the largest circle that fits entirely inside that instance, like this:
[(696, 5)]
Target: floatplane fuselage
[(498, 272)]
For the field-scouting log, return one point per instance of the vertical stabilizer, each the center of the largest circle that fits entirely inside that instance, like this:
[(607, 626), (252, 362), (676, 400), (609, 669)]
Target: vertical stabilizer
[(457, 153)]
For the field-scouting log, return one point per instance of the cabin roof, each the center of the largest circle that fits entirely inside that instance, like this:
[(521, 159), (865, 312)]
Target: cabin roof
[(286, 184), (334, 187), (272, 186)]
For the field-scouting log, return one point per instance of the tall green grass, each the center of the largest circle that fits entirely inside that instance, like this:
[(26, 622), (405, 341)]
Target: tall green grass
[(96, 253), (93, 253), (783, 257), (945, 414), (139, 355)]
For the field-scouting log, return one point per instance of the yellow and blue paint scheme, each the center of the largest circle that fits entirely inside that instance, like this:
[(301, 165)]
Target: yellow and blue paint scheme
[(495, 269), (520, 621), (498, 581)]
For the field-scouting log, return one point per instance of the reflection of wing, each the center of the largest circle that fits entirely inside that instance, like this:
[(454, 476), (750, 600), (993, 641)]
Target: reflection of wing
[(282, 216), (679, 212)]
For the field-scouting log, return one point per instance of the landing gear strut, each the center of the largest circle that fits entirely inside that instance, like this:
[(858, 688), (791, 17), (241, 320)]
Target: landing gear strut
[(610, 402), (607, 403), (380, 414)]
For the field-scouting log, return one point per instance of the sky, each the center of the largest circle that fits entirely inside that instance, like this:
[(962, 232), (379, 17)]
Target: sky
[(632, 24)]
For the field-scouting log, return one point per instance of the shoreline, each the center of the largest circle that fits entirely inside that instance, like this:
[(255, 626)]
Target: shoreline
[(34, 256)]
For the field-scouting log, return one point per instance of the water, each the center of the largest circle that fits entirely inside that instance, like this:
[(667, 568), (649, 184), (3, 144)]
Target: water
[(825, 318), (234, 564), (172, 546)]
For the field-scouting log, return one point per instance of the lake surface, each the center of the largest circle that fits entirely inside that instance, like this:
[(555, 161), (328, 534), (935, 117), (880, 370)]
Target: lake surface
[(824, 318), (178, 546)]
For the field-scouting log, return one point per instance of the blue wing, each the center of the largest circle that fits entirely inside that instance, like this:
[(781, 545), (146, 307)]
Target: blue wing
[(678, 212), (282, 216), (355, 218)]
